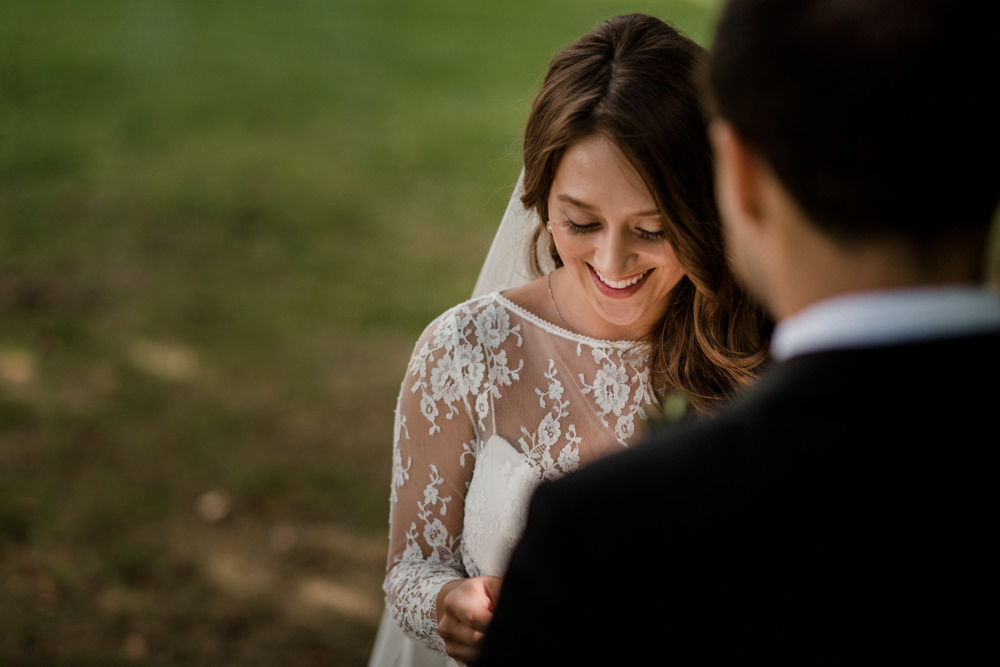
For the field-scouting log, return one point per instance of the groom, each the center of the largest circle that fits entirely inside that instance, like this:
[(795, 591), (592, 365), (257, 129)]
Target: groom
[(844, 509)]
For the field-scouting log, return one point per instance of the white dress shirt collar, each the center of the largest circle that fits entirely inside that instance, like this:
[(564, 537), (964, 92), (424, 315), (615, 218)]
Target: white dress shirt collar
[(872, 319)]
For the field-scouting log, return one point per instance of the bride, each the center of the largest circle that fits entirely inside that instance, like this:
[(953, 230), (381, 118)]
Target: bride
[(606, 292)]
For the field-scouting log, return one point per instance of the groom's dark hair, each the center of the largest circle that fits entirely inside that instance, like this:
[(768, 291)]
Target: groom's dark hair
[(878, 116)]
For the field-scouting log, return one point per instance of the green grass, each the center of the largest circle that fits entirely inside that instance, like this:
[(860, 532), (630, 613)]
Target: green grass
[(222, 226)]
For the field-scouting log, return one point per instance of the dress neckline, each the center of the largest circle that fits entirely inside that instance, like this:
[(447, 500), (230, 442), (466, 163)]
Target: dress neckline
[(562, 332)]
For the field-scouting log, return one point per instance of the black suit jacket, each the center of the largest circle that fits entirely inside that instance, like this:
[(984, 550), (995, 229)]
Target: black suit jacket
[(843, 511)]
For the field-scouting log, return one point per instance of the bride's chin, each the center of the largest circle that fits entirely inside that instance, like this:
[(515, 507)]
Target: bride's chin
[(627, 320)]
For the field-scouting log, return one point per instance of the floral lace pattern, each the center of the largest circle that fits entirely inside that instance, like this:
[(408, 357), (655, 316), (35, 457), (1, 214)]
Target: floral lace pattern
[(494, 401)]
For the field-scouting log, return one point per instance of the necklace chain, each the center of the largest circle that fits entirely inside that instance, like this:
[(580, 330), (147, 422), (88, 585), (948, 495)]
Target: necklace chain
[(548, 280)]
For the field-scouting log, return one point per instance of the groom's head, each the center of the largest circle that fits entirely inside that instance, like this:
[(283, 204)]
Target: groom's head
[(876, 115), (866, 129)]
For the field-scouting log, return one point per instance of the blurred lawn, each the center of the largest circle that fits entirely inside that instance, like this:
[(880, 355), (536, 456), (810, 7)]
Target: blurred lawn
[(222, 226)]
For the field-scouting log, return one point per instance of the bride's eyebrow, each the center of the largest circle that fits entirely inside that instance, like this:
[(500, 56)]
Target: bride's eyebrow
[(572, 201)]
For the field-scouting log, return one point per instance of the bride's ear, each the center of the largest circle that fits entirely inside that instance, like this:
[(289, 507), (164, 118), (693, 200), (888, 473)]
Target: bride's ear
[(739, 175)]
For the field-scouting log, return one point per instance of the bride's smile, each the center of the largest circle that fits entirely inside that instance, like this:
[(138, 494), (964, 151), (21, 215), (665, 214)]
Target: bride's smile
[(619, 288)]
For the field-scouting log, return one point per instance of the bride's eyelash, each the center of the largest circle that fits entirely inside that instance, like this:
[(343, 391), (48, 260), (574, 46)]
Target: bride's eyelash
[(586, 228), (577, 228)]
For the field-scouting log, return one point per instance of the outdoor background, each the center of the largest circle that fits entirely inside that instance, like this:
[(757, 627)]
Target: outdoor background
[(223, 225)]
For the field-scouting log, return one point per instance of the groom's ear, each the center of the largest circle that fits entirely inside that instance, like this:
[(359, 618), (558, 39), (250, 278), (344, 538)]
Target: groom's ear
[(739, 174), (743, 189)]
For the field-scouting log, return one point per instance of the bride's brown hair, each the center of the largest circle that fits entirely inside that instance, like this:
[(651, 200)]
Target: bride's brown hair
[(634, 80)]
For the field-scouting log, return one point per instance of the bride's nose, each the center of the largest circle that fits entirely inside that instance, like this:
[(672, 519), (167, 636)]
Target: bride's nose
[(615, 255)]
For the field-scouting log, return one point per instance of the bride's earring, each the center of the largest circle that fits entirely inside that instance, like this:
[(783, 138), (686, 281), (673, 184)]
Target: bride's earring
[(553, 251)]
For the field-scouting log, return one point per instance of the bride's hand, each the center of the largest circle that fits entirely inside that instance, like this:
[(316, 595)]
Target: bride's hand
[(465, 608)]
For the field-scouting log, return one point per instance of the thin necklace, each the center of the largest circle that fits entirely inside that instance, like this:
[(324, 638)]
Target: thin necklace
[(548, 279)]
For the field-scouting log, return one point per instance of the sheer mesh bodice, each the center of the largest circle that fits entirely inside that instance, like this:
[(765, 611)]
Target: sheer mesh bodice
[(494, 401)]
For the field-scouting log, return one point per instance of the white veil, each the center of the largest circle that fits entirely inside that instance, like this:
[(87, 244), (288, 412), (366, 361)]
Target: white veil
[(506, 264)]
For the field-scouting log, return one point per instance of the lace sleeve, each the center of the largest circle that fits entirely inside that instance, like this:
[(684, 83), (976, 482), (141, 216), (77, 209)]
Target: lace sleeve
[(433, 457)]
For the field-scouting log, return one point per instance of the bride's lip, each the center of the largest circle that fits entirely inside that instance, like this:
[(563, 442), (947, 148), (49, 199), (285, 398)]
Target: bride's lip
[(631, 284)]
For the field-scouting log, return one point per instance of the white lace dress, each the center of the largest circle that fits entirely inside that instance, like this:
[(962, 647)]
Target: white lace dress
[(494, 401)]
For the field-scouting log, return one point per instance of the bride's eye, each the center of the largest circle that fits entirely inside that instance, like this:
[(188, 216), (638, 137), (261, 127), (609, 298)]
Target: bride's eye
[(581, 228), (647, 235)]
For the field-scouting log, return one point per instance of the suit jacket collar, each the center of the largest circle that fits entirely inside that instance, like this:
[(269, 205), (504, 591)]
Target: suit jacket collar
[(879, 318)]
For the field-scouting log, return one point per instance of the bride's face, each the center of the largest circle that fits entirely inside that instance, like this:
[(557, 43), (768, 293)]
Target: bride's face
[(609, 235)]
